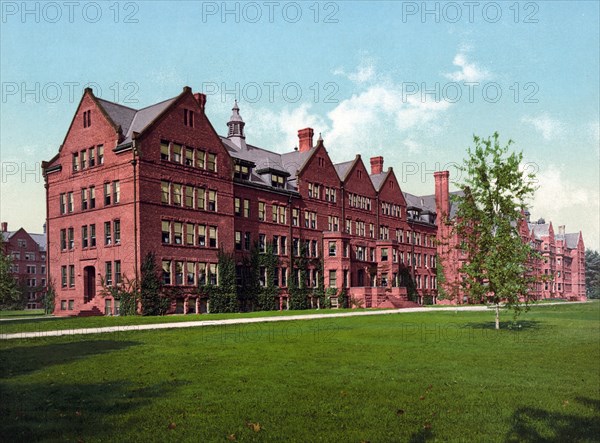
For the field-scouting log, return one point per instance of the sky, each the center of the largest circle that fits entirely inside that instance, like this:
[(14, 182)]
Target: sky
[(411, 81)]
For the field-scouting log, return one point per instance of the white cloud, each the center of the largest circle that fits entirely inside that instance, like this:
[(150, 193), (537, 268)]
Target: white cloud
[(365, 72), (413, 146), (549, 127), (563, 202), (469, 71)]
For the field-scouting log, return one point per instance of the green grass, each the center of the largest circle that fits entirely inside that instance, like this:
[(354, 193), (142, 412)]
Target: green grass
[(22, 313), (49, 323), (444, 376)]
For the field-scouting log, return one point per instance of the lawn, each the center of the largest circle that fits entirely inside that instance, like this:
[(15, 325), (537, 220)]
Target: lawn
[(440, 375), (22, 313)]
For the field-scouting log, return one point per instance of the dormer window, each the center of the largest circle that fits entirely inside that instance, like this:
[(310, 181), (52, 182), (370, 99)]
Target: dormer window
[(277, 181), (242, 172)]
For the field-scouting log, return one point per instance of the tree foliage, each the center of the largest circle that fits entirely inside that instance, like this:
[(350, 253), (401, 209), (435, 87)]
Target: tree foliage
[(224, 297), (10, 294), (151, 298), (592, 273), (495, 191)]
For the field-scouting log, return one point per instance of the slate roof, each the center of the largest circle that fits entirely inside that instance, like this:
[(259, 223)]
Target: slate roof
[(40, 239), (120, 115), (378, 179), (571, 240), (539, 229), (343, 168)]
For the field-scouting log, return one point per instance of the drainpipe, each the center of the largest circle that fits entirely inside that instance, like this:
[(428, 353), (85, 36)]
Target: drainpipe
[(135, 227)]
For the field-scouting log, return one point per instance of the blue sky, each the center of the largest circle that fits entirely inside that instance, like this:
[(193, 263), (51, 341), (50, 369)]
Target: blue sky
[(357, 72)]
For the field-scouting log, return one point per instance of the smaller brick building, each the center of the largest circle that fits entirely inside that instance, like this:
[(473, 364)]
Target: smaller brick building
[(28, 252)]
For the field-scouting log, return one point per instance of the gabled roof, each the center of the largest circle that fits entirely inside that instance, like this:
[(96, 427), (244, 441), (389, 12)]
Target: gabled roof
[(540, 229), (119, 114), (379, 179), (145, 116), (344, 168), (572, 240)]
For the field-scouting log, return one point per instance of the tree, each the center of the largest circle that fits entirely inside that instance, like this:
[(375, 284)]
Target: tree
[(151, 297), (495, 191), (10, 294), (224, 297), (592, 273)]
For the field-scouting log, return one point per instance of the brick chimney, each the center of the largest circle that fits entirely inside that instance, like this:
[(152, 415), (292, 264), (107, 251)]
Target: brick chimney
[(306, 139), (376, 165), (201, 99), (4, 227), (442, 194)]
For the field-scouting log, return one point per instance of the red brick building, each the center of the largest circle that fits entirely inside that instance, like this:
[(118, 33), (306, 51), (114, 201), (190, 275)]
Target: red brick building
[(160, 179), (562, 255), (28, 252), (126, 182)]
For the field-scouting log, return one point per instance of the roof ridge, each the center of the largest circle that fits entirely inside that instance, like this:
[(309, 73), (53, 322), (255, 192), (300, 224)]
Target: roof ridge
[(117, 104)]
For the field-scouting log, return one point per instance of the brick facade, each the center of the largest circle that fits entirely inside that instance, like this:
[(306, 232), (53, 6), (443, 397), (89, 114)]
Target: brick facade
[(28, 252)]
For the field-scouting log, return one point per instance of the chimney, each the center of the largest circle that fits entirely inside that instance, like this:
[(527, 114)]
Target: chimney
[(376, 165), (306, 139), (442, 194), (201, 99), (4, 227), (561, 229)]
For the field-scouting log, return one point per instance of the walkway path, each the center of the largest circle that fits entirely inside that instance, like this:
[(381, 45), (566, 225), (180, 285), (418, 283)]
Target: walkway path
[(233, 321)]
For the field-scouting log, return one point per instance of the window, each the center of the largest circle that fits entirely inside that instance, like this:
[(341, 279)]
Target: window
[(284, 277), (295, 217), (118, 279), (212, 201), (247, 241), (201, 274), (200, 159), (107, 234), (92, 157), (200, 198), (282, 215), (93, 236), (70, 202), (246, 208), (176, 153), (189, 197), (283, 245), (71, 276), (87, 119), (296, 246), (166, 272), (238, 240), (332, 279), (242, 172), (117, 231), (107, 194), (63, 202), (71, 238), (212, 236), (84, 199), (276, 245), (262, 276), (262, 243), (201, 235), (261, 210), (116, 192), (333, 223), (360, 253), (384, 254), (332, 249), (190, 273), (179, 273), (83, 158), (277, 181), (211, 163), (164, 151), (189, 234), (92, 197), (212, 274), (71, 305), (371, 230), (348, 226), (76, 162), (178, 233), (177, 188), (100, 155), (274, 210), (188, 118), (315, 248), (189, 157), (84, 237), (63, 239), (63, 276), (237, 206)]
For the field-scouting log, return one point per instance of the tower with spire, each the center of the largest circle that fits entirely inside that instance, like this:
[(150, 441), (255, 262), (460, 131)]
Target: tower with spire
[(236, 127)]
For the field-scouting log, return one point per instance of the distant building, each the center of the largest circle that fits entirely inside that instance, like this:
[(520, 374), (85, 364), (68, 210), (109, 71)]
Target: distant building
[(127, 182), (28, 252)]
